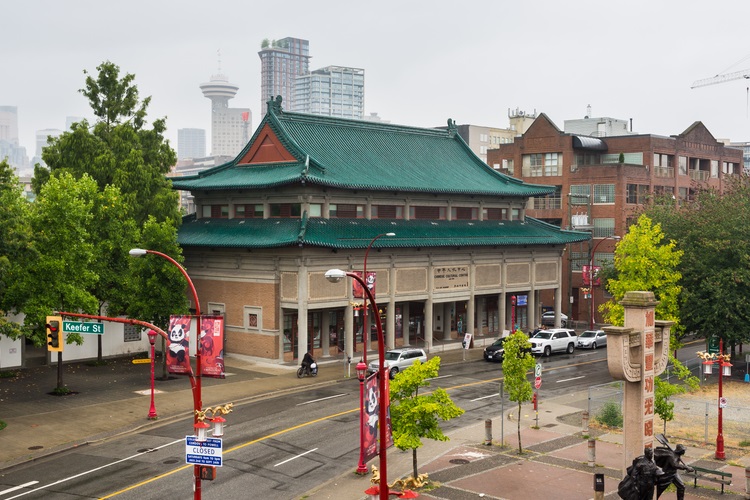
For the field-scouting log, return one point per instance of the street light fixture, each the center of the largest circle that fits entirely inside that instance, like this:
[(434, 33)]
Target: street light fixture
[(591, 275), (361, 467), (709, 359), (199, 425), (335, 276)]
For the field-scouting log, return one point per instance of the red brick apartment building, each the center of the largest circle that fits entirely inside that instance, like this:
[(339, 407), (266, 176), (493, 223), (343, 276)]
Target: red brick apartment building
[(601, 181)]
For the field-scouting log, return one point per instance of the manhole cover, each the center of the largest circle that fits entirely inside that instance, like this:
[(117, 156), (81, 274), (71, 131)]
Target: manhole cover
[(459, 461), (36, 447), (170, 461)]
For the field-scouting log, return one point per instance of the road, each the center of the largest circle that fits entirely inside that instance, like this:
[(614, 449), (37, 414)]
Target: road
[(277, 448)]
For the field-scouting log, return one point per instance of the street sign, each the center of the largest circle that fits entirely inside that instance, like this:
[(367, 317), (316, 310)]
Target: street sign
[(81, 327), (538, 370), (537, 382), (722, 402), (206, 452)]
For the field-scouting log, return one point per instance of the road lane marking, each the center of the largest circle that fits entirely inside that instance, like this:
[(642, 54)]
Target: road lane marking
[(321, 399), (569, 379), (97, 469), (19, 487), (293, 458), (483, 397)]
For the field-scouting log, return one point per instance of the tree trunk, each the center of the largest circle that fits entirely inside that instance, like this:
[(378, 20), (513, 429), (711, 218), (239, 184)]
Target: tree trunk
[(520, 449), (414, 462)]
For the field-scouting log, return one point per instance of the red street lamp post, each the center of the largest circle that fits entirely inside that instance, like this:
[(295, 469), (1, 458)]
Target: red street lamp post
[(197, 399), (591, 275), (152, 410), (513, 313), (725, 370), (361, 467), (334, 276)]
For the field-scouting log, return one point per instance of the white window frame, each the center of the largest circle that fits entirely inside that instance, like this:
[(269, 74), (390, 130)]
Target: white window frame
[(246, 312)]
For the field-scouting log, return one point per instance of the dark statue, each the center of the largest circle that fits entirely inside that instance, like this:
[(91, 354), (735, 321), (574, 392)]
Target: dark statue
[(670, 461), (642, 476)]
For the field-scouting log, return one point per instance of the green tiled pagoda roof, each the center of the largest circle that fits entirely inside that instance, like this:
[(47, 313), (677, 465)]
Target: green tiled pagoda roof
[(357, 233), (356, 154)]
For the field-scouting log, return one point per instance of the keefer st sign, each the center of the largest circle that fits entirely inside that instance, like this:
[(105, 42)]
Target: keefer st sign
[(206, 452), (80, 327)]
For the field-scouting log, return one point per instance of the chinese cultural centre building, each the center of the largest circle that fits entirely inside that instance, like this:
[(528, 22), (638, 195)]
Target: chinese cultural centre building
[(312, 193), (607, 180)]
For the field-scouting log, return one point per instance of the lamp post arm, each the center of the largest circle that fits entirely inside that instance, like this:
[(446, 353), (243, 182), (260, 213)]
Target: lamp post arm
[(187, 277)]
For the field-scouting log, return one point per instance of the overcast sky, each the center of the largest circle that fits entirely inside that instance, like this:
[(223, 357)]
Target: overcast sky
[(424, 61)]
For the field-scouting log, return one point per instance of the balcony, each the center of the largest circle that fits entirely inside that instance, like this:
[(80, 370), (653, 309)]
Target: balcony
[(699, 175), (548, 203), (664, 172)]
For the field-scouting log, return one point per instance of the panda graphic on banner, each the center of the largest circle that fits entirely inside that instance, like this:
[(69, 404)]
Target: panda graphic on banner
[(178, 351)]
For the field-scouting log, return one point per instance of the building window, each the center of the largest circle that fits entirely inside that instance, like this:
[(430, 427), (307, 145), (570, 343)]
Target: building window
[(683, 165), (604, 193), (216, 309), (248, 211), (715, 169), (464, 213), (533, 165), (253, 318), (551, 165), (604, 227), (286, 210), (131, 333), (316, 209), (427, 213), (217, 211), (387, 212), (515, 214), (346, 211), (508, 166), (495, 214), (637, 193), (578, 260)]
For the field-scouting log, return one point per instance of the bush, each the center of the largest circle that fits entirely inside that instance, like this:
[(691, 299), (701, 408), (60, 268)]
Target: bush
[(610, 414)]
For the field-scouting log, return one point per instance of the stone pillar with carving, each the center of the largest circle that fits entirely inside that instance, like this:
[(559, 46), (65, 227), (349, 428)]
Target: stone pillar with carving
[(636, 354)]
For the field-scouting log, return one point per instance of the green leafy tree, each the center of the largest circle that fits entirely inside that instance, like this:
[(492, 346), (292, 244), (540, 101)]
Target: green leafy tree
[(119, 150), (15, 244), (712, 232), (663, 390), (644, 261), (517, 362), (415, 416)]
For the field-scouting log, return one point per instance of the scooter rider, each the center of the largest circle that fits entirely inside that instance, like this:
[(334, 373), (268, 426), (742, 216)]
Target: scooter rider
[(307, 361)]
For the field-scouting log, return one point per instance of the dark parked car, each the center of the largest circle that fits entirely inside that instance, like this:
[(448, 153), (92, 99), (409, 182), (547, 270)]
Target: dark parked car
[(495, 351)]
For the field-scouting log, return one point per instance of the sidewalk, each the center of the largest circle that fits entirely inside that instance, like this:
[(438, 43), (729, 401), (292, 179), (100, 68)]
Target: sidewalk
[(114, 399)]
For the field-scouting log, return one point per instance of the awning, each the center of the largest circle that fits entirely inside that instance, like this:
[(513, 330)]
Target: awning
[(592, 143)]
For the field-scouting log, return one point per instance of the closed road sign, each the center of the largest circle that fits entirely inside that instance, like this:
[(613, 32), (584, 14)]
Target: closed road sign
[(206, 452)]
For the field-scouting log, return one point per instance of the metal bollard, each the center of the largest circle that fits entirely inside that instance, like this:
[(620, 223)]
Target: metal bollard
[(598, 486), (488, 432), (747, 483), (585, 421), (592, 452)]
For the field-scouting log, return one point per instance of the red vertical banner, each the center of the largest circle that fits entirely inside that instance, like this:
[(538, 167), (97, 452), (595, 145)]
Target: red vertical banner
[(211, 344), (359, 291), (370, 421), (178, 354)]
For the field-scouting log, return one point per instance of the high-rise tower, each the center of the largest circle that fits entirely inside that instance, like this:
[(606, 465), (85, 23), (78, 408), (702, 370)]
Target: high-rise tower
[(229, 126), (281, 62)]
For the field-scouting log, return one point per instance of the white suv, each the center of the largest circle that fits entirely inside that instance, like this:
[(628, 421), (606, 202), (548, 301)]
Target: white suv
[(397, 360), (554, 340)]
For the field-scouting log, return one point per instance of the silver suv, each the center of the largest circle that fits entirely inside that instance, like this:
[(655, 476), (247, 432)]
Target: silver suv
[(397, 360)]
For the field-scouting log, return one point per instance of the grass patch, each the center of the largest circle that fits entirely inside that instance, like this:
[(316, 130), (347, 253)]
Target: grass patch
[(9, 374), (3, 425), (610, 415), (744, 443)]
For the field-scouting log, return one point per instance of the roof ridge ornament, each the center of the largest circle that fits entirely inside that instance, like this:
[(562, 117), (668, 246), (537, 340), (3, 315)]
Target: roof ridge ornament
[(275, 104), (452, 127)]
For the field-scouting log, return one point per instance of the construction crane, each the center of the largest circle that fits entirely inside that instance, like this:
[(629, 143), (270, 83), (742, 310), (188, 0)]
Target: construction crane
[(727, 77)]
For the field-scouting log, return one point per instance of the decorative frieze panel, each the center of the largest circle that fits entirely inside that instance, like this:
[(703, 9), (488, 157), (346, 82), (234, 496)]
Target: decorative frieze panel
[(518, 274), (411, 280), (546, 272), (289, 288), (487, 276)]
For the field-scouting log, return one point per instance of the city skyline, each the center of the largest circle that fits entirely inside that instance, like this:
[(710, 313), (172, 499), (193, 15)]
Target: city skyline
[(632, 61)]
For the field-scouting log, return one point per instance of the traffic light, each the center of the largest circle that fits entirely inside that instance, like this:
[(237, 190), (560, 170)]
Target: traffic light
[(54, 333)]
